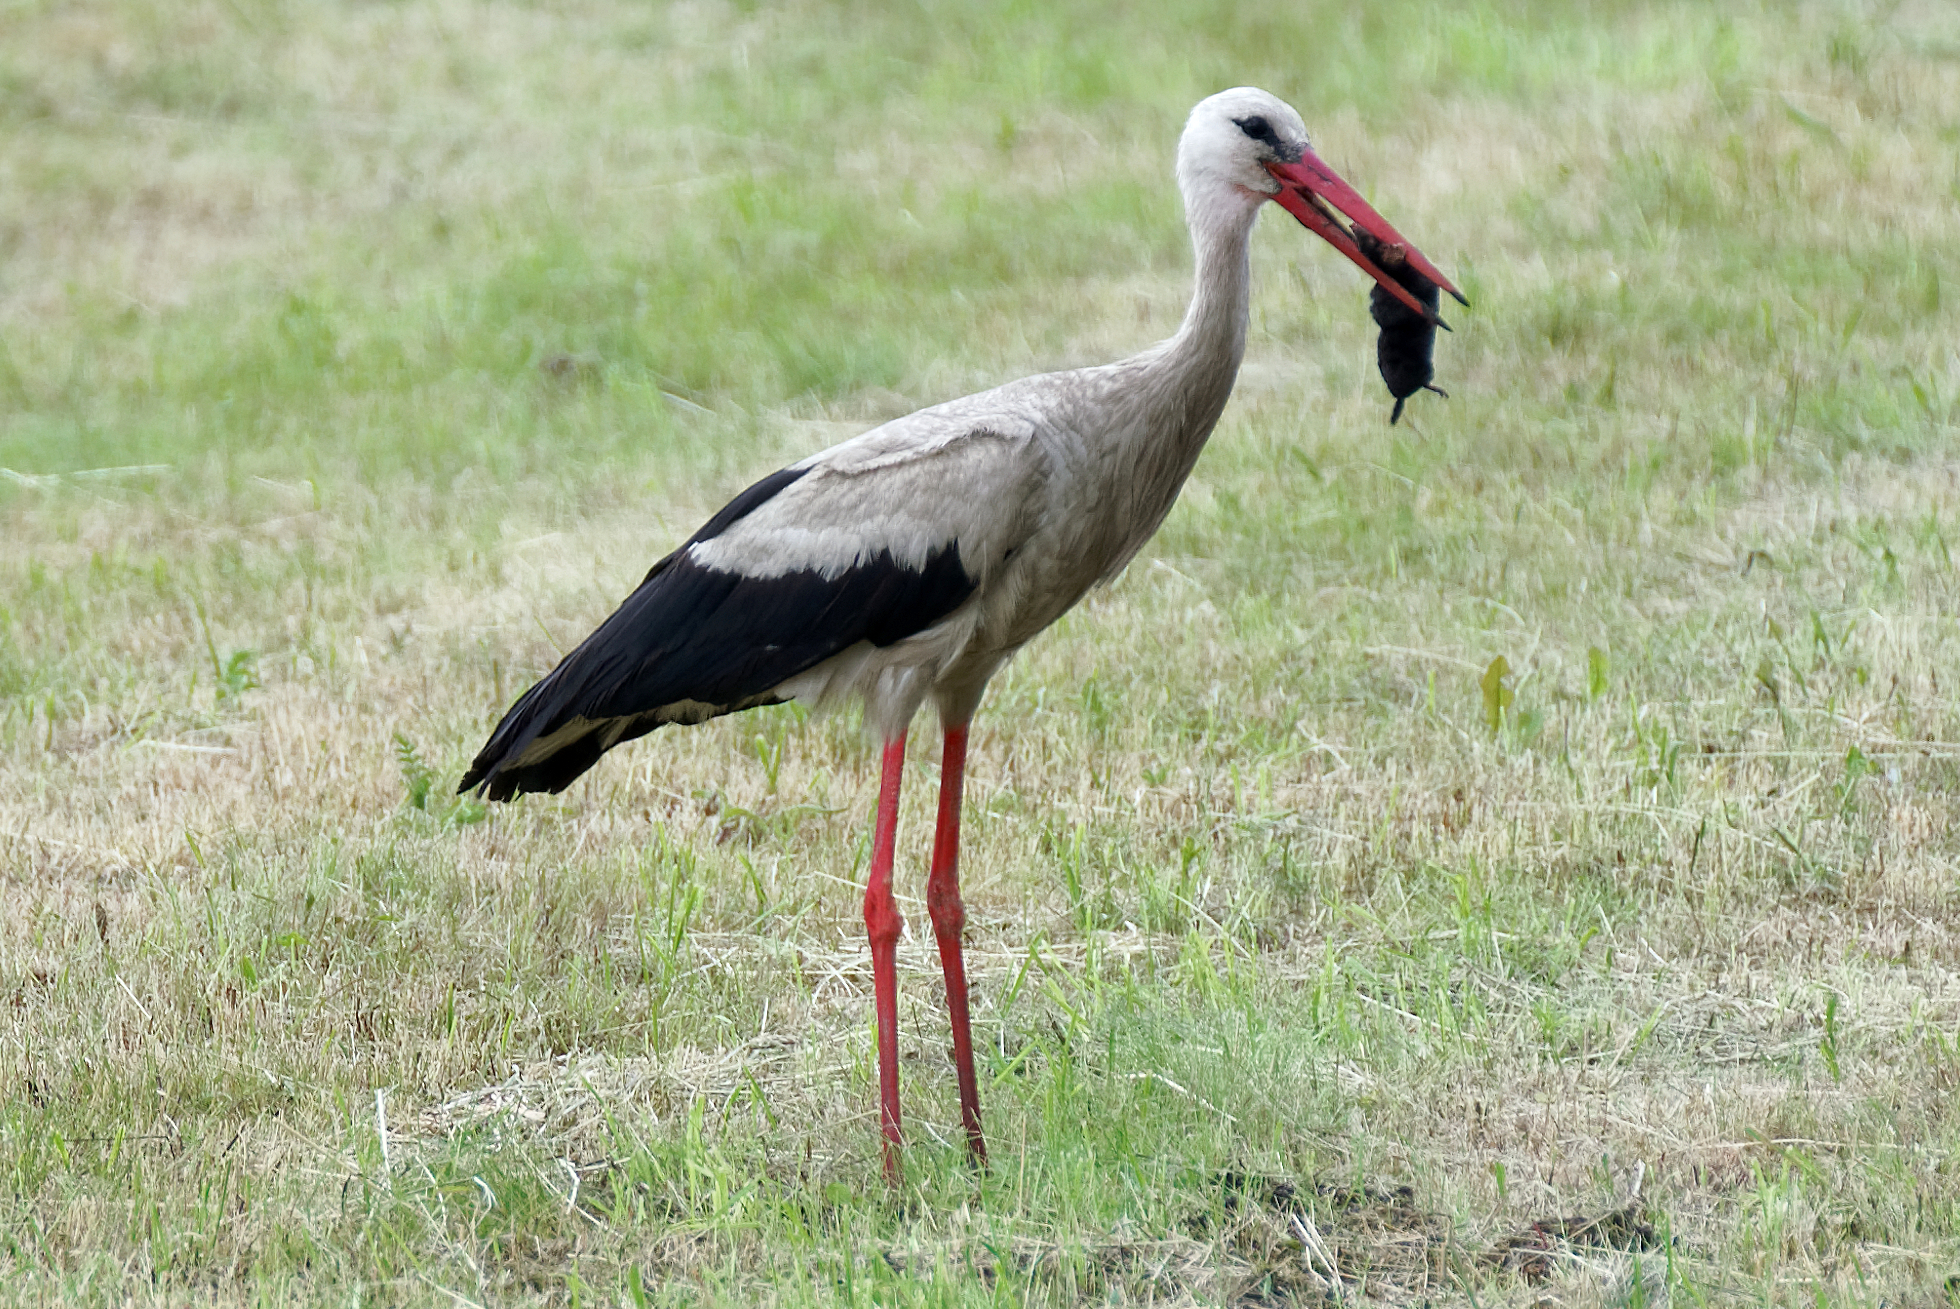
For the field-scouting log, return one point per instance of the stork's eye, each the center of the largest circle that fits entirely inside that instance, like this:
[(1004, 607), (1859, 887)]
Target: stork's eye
[(1255, 127)]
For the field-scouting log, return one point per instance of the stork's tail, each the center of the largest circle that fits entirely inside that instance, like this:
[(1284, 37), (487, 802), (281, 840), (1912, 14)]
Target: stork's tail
[(664, 656), (543, 744), (694, 642)]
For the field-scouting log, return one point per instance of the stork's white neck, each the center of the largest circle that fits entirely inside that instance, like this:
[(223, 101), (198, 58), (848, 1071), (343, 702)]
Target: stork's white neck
[(1173, 393), (1213, 331), (1194, 370)]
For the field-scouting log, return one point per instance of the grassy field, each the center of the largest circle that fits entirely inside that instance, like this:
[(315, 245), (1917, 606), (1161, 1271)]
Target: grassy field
[(355, 359)]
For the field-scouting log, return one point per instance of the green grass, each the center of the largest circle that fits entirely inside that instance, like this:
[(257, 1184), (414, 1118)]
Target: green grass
[(354, 360)]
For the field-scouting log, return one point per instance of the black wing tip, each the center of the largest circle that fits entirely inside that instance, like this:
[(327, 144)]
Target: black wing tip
[(496, 787), (489, 783), (505, 777), (505, 784)]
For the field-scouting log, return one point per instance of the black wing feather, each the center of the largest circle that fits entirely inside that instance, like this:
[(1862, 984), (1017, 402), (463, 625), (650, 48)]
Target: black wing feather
[(692, 643)]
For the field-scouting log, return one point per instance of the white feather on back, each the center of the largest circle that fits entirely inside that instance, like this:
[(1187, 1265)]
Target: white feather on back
[(901, 489)]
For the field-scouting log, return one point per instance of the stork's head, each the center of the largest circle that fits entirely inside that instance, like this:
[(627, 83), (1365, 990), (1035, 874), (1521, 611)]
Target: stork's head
[(1251, 144)]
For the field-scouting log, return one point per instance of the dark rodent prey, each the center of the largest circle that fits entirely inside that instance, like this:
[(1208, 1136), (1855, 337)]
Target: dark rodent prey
[(1407, 339)]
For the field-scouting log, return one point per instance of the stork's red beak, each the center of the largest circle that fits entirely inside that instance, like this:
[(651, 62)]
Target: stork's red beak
[(1312, 192)]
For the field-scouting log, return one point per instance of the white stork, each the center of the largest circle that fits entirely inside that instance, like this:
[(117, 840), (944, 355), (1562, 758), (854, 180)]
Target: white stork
[(912, 561)]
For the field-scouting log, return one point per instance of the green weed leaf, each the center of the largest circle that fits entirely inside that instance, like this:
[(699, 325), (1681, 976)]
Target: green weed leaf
[(418, 777), (1497, 696), (1828, 1046), (238, 674)]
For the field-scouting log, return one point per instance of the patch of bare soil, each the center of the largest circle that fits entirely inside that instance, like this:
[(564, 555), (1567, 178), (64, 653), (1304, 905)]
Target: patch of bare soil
[(1304, 1243), (1535, 1253)]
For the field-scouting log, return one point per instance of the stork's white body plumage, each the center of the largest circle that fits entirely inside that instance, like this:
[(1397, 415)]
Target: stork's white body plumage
[(1046, 487), (912, 561)]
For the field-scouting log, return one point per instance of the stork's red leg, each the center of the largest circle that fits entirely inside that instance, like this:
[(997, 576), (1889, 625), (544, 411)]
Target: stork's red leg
[(948, 922), (882, 923)]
